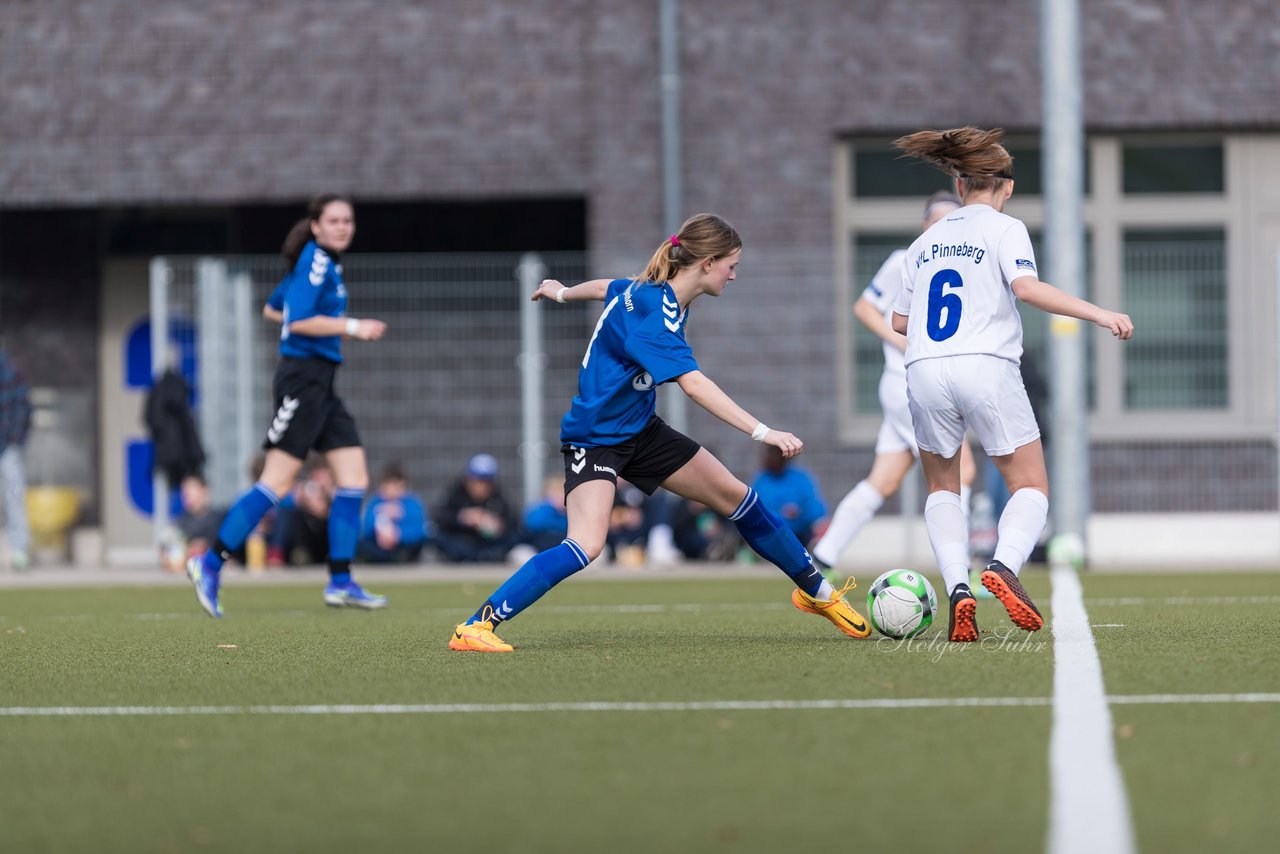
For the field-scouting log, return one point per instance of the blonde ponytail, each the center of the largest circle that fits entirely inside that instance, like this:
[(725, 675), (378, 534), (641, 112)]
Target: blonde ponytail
[(702, 236)]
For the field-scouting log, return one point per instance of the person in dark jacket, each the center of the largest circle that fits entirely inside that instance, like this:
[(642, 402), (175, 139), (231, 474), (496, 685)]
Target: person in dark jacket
[(15, 423), (477, 525), (173, 430)]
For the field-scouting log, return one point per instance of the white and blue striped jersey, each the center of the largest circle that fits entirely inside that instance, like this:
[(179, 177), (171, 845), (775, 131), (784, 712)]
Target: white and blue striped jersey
[(313, 288), (956, 286), (638, 344)]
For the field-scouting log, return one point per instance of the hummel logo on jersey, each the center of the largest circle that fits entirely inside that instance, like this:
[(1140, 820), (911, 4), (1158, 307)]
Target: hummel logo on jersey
[(319, 263), (671, 310), (1025, 264), (580, 455), (284, 415), (642, 381)]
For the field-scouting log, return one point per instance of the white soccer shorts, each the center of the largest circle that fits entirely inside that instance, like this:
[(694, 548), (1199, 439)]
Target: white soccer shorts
[(983, 392), (896, 433)]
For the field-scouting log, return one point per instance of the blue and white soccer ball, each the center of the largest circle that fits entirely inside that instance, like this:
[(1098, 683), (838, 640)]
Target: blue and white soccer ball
[(901, 603)]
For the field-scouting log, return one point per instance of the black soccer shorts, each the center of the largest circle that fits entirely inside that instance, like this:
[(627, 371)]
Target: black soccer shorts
[(646, 460), (308, 414)]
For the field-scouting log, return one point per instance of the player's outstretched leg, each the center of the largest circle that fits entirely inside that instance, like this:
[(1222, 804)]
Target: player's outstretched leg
[(538, 575), (478, 636), (1006, 587), (835, 608), (775, 542)]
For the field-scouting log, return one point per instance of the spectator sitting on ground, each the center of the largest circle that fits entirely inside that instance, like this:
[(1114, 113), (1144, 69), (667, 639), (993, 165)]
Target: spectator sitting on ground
[(300, 535), (628, 530), (791, 492), (395, 526), (700, 533), (477, 524), (546, 523)]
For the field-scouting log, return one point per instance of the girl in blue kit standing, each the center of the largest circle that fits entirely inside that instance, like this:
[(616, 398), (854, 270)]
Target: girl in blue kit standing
[(309, 414), (611, 431)]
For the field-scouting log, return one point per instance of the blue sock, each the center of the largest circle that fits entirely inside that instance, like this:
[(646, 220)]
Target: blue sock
[(539, 574), (775, 542), (344, 530), (239, 523)]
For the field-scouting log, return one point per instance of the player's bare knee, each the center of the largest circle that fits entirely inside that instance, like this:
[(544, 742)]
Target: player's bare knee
[(593, 546)]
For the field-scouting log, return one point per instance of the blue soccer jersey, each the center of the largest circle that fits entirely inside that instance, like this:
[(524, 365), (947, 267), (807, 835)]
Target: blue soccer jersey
[(638, 344), (276, 300), (314, 289)]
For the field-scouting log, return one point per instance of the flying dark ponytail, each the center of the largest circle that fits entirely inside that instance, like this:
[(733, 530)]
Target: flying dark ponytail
[(301, 231), (973, 155)]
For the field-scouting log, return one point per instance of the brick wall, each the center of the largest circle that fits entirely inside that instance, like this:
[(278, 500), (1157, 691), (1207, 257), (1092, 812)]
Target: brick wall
[(196, 102)]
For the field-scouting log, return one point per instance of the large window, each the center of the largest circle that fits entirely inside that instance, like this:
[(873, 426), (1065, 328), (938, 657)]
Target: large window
[(1175, 281), (1154, 168), (1161, 221)]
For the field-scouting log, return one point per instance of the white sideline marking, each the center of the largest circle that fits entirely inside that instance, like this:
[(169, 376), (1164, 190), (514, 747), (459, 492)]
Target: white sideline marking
[(1088, 804), (1184, 600), (672, 706)]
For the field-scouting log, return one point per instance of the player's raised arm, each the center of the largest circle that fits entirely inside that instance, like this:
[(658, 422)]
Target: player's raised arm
[(711, 397), (1046, 297), (553, 290)]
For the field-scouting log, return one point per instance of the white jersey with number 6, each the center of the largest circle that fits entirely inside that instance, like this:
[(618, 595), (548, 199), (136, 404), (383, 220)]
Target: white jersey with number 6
[(956, 286)]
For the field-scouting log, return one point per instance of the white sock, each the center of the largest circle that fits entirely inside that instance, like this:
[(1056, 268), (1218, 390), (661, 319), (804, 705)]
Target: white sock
[(966, 499), (949, 533), (825, 592), (1020, 526), (852, 513)]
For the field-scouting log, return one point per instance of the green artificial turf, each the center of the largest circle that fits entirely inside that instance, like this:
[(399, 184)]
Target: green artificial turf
[(643, 780)]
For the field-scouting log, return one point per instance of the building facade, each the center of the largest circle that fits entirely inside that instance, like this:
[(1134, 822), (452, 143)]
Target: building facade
[(132, 129)]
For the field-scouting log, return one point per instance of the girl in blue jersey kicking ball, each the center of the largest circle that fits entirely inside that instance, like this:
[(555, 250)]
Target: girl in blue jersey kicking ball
[(611, 431), (312, 307)]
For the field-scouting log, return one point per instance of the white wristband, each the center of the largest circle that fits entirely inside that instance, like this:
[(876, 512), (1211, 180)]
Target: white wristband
[(760, 432), (353, 325), (560, 293)]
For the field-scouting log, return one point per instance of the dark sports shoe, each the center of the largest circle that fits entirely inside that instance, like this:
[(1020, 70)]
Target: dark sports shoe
[(1006, 587), (964, 615)]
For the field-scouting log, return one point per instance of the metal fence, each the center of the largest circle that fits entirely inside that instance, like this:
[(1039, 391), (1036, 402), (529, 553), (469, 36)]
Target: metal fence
[(449, 379)]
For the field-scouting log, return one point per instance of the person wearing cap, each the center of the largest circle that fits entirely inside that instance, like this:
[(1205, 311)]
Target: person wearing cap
[(477, 524)]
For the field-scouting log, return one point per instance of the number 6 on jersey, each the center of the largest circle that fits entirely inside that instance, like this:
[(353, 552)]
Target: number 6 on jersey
[(939, 299)]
